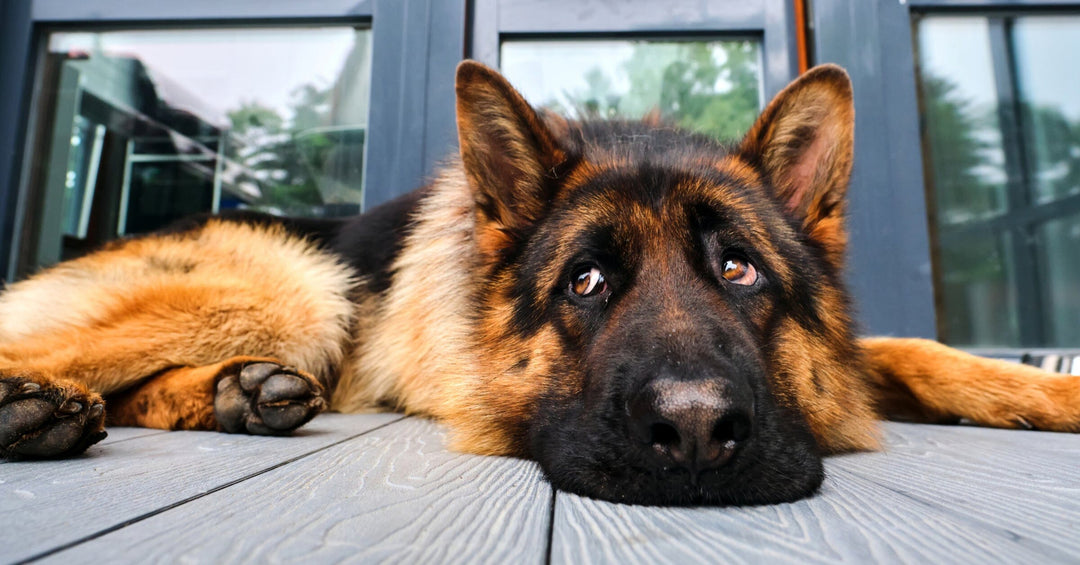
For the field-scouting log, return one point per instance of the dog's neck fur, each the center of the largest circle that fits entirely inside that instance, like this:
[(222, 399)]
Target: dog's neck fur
[(418, 334)]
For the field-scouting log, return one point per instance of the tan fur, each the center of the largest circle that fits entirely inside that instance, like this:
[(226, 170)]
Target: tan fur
[(804, 140), (177, 399), (922, 380), (115, 317), (419, 351), (416, 339)]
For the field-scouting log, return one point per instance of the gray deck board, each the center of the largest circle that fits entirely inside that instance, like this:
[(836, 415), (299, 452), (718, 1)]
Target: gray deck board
[(49, 504), (851, 520), (366, 488), (1026, 484), (394, 494), (125, 434), (119, 434)]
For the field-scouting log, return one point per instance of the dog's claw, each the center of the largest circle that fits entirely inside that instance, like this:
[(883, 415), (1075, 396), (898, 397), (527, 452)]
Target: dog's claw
[(267, 399)]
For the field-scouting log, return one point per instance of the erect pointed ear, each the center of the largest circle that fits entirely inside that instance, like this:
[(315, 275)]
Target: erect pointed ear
[(508, 152), (803, 142)]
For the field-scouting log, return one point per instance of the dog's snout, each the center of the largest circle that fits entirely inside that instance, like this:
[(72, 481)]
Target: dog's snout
[(694, 424)]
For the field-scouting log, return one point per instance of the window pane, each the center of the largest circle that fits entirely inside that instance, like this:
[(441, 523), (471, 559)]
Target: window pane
[(140, 128), (1051, 103), (1001, 134), (1061, 241), (960, 113), (978, 291), (713, 87)]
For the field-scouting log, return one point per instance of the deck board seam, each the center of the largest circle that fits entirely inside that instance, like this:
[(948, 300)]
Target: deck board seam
[(179, 503), (116, 441), (549, 550)]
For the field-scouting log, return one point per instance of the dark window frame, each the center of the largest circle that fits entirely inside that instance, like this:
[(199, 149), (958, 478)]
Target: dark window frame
[(493, 21), (874, 41), (415, 47)]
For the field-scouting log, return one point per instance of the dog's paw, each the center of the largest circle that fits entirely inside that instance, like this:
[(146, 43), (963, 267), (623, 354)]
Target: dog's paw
[(40, 418), (1050, 402), (265, 398)]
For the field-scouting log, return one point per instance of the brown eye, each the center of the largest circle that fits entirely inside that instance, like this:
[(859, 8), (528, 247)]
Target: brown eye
[(737, 270), (588, 282)]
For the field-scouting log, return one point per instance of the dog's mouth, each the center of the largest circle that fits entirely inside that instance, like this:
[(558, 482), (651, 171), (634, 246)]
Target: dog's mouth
[(601, 456)]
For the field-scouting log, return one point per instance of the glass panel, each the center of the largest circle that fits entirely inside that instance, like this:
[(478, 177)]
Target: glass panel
[(1051, 103), (1001, 124), (144, 127), (1060, 240), (713, 87), (979, 306), (81, 176), (960, 113)]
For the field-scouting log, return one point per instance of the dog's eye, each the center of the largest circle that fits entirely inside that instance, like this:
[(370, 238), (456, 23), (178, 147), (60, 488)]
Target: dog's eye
[(588, 282), (737, 270)]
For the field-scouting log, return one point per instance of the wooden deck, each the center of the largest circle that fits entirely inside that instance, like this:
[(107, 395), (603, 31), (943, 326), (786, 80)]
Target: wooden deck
[(380, 487)]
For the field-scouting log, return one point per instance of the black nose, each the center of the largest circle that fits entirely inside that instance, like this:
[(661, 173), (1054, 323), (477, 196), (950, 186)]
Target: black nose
[(695, 424)]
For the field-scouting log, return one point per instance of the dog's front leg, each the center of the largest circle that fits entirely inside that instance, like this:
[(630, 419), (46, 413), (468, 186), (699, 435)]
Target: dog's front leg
[(922, 380), (240, 395)]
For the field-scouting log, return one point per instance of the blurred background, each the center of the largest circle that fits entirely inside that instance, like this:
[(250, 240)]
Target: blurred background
[(119, 118)]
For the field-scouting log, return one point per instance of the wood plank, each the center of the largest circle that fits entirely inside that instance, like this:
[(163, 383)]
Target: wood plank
[(126, 433), (854, 518), (851, 520), (900, 435), (120, 434), (59, 502), (395, 494), (1027, 483)]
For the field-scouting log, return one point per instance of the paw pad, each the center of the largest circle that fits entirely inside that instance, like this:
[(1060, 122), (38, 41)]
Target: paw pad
[(267, 399), (47, 420)]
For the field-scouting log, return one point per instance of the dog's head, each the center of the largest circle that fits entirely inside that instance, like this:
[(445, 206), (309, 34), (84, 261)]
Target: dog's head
[(664, 316)]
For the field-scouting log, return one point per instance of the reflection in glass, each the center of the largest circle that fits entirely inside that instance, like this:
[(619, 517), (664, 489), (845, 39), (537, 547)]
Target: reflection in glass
[(713, 87), (979, 295), (1050, 99), (1060, 240), (81, 176), (960, 115), (1001, 135), (140, 128)]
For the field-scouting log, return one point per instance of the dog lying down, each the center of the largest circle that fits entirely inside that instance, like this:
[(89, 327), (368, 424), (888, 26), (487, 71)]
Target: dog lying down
[(653, 317)]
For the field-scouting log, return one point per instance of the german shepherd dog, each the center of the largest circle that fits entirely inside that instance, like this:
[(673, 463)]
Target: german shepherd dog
[(654, 318)]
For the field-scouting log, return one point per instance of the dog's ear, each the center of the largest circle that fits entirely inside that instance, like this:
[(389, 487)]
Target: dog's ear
[(508, 152), (803, 142)]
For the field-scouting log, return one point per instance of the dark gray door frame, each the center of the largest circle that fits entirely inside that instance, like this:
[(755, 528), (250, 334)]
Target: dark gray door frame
[(889, 258), (415, 47)]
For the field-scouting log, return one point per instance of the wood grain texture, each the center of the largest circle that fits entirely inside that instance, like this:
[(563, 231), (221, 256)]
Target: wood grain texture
[(936, 494), (1024, 483), (118, 434), (855, 518), (394, 494), (47, 504), (124, 433)]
